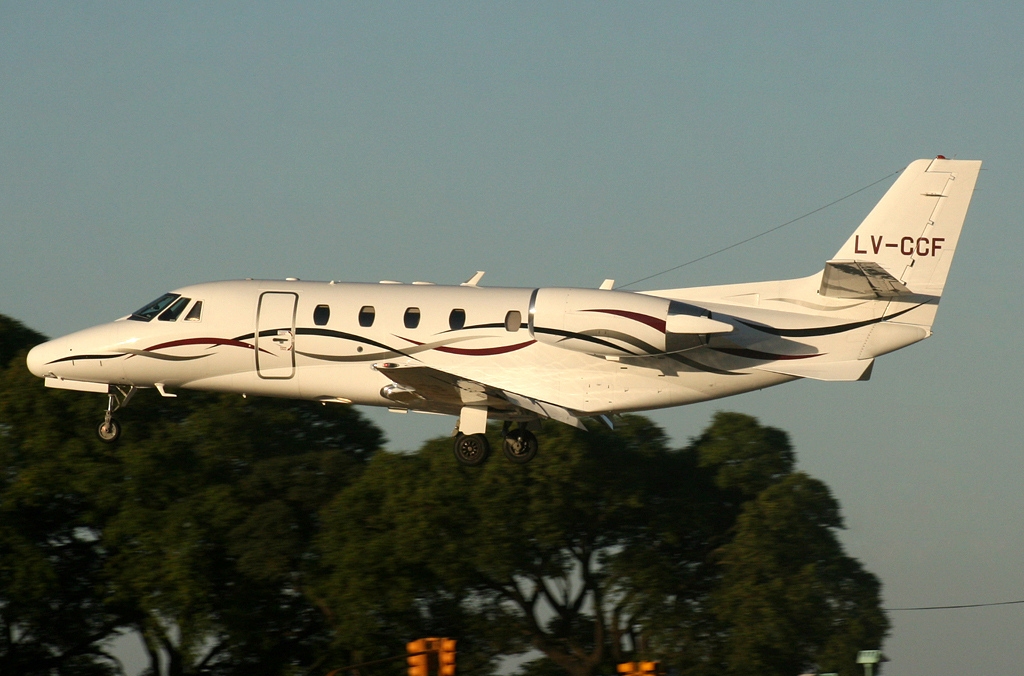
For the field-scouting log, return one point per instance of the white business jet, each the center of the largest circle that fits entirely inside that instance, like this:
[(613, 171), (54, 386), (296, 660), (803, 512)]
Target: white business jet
[(521, 355)]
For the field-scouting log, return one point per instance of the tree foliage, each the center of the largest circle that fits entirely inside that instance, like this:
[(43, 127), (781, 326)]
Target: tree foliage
[(718, 558), (193, 530), (263, 536)]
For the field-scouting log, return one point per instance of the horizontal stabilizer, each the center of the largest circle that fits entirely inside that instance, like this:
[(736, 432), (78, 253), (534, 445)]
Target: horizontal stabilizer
[(856, 369), (859, 279)]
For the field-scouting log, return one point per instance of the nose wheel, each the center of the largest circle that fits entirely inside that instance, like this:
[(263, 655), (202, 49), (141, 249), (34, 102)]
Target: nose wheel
[(110, 429)]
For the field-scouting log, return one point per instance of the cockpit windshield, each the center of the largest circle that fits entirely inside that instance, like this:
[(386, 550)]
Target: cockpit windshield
[(147, 312), (172, 313)]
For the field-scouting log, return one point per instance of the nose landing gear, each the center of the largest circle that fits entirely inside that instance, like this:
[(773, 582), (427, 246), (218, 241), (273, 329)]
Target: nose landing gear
[(117, 398)]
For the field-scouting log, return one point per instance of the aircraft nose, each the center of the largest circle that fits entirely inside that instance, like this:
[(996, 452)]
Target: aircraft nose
[(38, 358)]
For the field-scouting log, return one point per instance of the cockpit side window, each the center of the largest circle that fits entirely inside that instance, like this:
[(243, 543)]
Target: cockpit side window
[(196, 313), (147, 312), (172, 313)]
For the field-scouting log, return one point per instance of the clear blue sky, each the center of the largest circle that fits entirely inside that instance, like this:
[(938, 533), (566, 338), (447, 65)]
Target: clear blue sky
[(146, 146)]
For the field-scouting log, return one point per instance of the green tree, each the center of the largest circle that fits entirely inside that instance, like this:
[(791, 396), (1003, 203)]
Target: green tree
[(608, 546), (785, 597), (508, 557), (212, 513), (193, 530), (53, 618), (790, 598)]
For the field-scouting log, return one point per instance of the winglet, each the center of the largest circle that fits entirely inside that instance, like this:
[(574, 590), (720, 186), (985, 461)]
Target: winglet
[(474, 280)]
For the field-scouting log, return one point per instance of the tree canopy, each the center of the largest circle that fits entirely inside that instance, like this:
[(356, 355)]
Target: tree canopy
[(271, 537)]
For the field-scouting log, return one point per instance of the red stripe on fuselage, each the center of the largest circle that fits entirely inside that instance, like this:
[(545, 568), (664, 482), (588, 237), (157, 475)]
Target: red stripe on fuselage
[(653, 322), (200, 341)]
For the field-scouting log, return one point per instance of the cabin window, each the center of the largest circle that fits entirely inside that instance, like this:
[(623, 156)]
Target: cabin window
[(457, 319), (366, 315), (172, 313), (412, 318), (147, 312), (321, 315), (513, 320), (196, 313)]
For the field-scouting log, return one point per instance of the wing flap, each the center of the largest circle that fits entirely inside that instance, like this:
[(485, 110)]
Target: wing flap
[(430, 389)]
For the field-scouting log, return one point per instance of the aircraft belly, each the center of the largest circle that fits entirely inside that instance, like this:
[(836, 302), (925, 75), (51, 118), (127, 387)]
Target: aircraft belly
[(358, 383)]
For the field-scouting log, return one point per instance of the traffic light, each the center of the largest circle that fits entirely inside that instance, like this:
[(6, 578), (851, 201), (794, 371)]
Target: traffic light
[(417, 659), (639, 668), (446, 657), (649, 668)]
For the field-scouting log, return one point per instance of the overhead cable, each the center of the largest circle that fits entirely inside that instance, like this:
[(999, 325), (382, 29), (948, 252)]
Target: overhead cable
[(766, 232), (967, 605)]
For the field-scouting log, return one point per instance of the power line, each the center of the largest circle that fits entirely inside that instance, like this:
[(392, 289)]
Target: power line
[(967, 605), (766, 232)]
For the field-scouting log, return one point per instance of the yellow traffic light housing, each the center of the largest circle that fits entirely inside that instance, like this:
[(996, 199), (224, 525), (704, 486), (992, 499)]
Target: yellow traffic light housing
[(446, 657), (417, 660), (639, 668)]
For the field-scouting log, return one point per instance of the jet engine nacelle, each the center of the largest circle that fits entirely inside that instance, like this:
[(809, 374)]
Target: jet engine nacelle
[(617, 323)]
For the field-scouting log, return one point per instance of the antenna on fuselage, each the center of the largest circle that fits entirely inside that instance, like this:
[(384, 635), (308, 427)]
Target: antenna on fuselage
[(474, 280)]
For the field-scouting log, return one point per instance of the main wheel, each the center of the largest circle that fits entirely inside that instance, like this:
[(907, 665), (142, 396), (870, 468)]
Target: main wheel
[(471, 449), (520, 446), (109, 432)]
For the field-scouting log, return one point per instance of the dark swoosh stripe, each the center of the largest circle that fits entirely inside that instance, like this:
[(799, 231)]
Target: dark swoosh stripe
[(493, 325), (167, 357), (824, 330), (84, 357), (569, 335), (764, 356), (645, 347), (469, 351), (328, 333), (369, 356)]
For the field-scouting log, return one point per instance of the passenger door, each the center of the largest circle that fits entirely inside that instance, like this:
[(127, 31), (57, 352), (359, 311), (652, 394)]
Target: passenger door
[(275, 335)]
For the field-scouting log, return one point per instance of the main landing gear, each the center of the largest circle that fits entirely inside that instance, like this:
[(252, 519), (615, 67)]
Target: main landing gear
[(519, 446), (110, 429)]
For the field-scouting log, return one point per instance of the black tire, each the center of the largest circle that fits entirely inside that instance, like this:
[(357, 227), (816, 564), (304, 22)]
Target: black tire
[(109, 432), (471, 449), (520, 446)]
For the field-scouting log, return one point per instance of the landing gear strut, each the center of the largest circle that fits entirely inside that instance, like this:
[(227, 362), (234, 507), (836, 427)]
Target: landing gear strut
[(110, 429)]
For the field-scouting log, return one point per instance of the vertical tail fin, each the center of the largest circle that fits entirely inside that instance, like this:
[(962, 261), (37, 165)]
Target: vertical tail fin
[(906, 244)]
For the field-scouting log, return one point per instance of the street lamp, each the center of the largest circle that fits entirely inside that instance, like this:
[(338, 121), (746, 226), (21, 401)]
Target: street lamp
[(869, 658)]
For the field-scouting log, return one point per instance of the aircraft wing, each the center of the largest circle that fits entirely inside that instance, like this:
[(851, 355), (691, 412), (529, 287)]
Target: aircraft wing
[(423, 388)]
